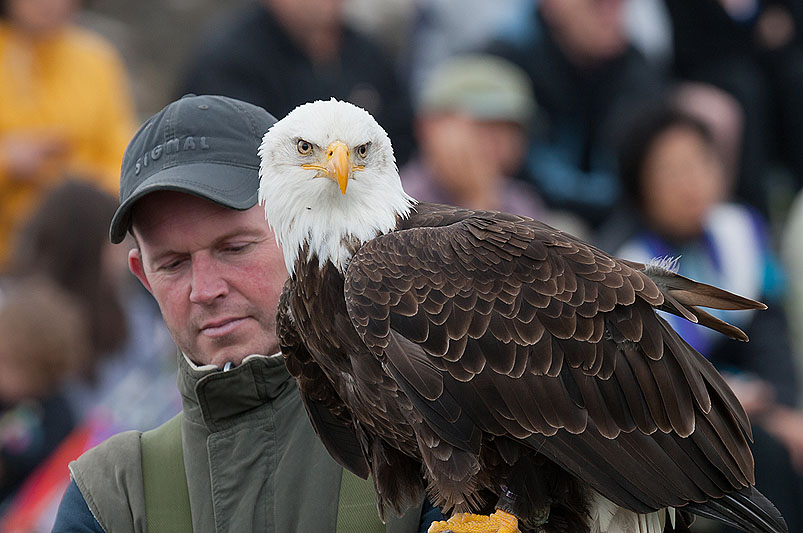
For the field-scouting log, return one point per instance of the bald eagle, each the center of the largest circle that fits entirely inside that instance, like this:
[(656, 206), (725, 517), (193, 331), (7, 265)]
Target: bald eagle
[(489, 360)]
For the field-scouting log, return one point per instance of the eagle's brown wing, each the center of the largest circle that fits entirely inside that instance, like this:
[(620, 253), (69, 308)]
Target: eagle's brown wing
[(501, 325), (326, 410)]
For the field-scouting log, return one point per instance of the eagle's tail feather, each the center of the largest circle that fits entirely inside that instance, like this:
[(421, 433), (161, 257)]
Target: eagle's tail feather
[(745, 508), (684, 297)]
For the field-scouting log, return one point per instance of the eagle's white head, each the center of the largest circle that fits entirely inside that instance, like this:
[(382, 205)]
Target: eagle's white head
[(329, 182)]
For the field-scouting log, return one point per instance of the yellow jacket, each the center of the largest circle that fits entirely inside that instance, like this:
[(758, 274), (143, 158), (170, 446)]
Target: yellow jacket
[(71, 87)]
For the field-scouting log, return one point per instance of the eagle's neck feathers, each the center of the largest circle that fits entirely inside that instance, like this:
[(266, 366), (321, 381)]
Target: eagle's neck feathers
[(303, 201), (311, 217)]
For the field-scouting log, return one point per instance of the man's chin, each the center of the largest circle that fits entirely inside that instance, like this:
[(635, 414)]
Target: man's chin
[(234, 353)]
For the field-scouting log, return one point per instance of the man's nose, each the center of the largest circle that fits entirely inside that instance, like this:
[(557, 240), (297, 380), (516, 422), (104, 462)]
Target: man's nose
[(207, 283)]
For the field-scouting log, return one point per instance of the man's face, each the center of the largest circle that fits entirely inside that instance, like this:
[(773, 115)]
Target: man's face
[(216, 274)]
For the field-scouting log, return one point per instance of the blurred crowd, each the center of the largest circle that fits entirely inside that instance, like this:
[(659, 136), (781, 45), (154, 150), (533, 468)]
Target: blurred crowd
[(652, 128)]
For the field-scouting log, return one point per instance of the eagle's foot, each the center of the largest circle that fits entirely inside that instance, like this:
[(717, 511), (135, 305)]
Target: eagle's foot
[(498, 522)]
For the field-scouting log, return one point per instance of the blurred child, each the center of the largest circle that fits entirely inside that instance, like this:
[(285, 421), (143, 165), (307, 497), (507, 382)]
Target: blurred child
[(128, 381), (67, 240), (44, 342)]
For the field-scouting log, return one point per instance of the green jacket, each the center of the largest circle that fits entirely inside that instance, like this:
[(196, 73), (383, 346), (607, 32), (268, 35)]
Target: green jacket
[(252, 459)]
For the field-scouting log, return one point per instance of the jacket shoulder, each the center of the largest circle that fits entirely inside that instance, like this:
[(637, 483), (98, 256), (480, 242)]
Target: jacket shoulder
[(109, 477)]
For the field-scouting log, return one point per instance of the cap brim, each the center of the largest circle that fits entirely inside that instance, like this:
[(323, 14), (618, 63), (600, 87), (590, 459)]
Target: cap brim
[(231, 186)]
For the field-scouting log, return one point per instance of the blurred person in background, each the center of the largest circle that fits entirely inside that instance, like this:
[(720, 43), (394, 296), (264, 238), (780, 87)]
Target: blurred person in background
[(675, 178), (66, 240), (44, 343), (752, 49), (437, 30), (278, 54), (586, 77), (792, 257), (471, 124), (723, 117), (64, 107), (128, 379)]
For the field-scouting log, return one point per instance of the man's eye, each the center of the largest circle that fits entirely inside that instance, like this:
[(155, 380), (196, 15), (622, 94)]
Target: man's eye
[(171, 266), (234, 248)]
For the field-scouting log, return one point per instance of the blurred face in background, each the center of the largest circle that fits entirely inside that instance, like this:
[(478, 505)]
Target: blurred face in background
[(308, 15), (114, 259), (470, 158), (587, 30), (44, 339), (15, 381), (682, 180), (506, 143), (40, 17), (450, 140)]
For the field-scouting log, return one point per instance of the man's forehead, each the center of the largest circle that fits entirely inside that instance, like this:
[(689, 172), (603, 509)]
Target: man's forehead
[(163, 211)]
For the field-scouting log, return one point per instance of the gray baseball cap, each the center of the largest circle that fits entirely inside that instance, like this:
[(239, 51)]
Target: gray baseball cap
[(202, 145)]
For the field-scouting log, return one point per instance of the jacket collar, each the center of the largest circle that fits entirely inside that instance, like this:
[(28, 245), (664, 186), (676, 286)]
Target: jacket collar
[(218, 398)]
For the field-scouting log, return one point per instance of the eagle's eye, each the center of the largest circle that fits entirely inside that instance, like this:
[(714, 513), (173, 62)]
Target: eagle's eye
[(304, 147), (362, 150)]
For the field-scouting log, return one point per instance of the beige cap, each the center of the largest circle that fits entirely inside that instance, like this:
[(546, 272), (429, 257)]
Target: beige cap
[(483, 86)]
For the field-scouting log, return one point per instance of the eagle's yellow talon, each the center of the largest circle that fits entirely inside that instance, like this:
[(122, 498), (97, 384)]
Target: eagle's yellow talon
[(499, 522)]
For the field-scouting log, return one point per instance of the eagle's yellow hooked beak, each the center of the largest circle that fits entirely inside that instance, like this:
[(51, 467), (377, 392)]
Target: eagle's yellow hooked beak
[(338, 164), (335, 164)]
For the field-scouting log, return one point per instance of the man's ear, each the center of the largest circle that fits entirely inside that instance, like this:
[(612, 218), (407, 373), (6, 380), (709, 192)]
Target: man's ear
[(136, 267)]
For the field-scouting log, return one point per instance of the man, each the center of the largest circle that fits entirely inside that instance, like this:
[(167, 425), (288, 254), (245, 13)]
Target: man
[(471, 101), (251, 460), (586, 77), (279, 54)]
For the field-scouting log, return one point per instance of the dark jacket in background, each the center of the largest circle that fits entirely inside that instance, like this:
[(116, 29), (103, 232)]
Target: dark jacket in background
[(572, 158), (714, 47), (29, 432), (249, 56)]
